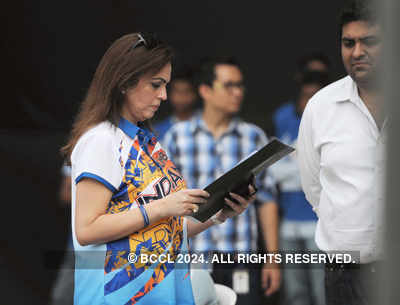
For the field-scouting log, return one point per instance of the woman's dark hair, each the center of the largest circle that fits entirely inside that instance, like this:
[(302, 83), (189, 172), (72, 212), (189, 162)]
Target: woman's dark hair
[(124, 63)]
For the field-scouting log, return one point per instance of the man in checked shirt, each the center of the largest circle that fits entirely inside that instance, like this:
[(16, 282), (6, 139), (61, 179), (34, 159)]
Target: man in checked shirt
[(207, 146)]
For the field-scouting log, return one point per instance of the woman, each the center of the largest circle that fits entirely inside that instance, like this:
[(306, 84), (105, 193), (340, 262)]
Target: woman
[(127, 196)]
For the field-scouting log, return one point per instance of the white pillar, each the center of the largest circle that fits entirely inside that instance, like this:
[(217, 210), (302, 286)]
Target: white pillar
[(388, 287)]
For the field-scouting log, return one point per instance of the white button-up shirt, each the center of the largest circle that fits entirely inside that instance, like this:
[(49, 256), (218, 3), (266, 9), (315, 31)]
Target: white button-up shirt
[(341, 158)]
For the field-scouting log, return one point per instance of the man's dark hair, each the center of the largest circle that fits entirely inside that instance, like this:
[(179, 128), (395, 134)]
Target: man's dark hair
[(315, 77), (358, 10), (183, 74), (305, 59), (205, 72)]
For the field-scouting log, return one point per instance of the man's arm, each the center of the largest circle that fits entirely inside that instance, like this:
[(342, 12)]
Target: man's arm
[(308, 157), (269, 222)]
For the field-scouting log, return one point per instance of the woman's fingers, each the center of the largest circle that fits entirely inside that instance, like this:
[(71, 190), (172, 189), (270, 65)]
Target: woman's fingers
[(197, 193), (196, 196), (190, 208), (197, 200), (252, 190), (238, 208), (243, 202), (194, 208)]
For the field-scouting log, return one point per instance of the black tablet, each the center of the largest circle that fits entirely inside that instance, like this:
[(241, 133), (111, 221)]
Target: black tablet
[(238, 178)]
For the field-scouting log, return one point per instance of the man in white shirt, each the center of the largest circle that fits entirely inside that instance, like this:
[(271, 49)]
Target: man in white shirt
[(341, 158)]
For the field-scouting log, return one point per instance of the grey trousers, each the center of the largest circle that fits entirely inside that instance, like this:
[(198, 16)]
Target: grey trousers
[(302, 284)]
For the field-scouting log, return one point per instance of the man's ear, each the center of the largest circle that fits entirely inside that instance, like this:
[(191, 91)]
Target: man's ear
[(204, 91)]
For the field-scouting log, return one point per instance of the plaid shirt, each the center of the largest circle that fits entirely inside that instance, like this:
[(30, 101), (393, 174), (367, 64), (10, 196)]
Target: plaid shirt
[(201, 159)]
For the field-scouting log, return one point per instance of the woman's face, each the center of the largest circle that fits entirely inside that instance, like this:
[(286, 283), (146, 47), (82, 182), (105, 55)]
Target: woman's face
[(143, 100)]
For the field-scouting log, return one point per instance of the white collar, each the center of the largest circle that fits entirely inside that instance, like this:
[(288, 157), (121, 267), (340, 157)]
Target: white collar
[(348, 92)]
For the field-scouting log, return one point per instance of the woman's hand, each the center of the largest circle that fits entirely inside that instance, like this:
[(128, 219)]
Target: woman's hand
[(236, 208), (183, 202)]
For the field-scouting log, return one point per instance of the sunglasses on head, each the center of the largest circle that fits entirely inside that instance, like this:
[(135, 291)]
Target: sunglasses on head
[(147, 39)]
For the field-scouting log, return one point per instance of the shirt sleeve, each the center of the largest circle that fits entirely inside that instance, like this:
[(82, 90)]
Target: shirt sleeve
[(309, 158), (264, 181), (96, 157)]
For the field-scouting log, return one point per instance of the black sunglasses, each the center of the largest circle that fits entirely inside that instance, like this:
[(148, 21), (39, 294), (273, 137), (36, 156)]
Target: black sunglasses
[(147, 39)]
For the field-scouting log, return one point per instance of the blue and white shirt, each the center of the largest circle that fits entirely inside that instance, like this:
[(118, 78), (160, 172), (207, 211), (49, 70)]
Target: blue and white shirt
[(293, 202), (201, 159), (130, 162), (162, 127)]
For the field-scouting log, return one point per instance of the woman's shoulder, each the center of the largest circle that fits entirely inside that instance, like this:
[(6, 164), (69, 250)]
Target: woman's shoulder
[(101, 135), (104, 130)]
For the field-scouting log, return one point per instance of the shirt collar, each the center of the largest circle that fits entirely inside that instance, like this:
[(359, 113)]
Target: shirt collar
[(198, 123), (349, 92), (132, 130)]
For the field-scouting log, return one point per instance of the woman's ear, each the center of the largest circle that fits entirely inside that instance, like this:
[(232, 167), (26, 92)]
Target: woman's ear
[(122, 89)]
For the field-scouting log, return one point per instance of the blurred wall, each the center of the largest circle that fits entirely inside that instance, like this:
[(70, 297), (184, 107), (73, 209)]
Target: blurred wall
[(50, 50)]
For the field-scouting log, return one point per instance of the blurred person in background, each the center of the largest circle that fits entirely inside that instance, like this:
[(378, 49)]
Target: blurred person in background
[(304, 284), (63, 288), (312, 61), (127, 197), (341, 153), (182, 98), (207, 146), (65, 188)]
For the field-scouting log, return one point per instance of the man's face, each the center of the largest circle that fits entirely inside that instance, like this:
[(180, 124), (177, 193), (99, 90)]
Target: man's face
[(182, 95), (316, 65), (227, 90), (361, 48)]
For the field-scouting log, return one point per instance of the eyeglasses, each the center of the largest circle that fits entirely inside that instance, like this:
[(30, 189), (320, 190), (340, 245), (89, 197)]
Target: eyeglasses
[(229, 86), (147, 39)]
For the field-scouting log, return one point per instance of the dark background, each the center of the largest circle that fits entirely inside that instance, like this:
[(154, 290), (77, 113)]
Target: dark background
[(49, 52)]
